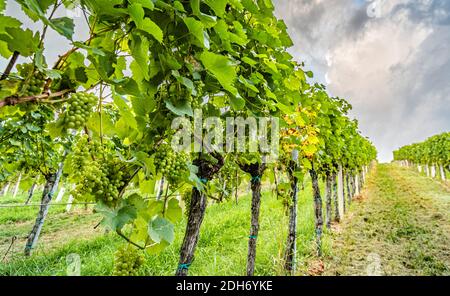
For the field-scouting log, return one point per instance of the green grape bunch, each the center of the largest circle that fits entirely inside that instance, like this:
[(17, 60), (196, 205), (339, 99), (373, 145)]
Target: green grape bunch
[(196, 102), (34, 81), (169, 163), (98, 173), (226, 180), (127, 261), (286, 200), (186, 197), (79, 109)]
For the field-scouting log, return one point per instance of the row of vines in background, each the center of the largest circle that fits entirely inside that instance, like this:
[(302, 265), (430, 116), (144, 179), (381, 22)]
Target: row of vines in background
[(101, 117), (431, 156)]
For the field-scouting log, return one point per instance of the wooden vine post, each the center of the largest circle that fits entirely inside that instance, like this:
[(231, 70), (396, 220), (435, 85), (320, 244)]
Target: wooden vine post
[(196, 214)]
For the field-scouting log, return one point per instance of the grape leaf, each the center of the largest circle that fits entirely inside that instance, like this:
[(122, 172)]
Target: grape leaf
[(144, 23), (197, 30), (222, 68), (160, 229), (21, 41), (64, 26), (116, 219)]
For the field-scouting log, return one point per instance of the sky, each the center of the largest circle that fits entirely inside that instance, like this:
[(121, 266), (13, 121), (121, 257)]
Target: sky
[(389, 58)]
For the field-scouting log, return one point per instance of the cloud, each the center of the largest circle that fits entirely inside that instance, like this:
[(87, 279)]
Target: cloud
[(389, 59), (55, 44)]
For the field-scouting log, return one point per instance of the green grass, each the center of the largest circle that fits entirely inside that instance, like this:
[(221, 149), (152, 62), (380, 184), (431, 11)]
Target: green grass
[(404, 219), (59, 226), (23, 214), (221, 250)]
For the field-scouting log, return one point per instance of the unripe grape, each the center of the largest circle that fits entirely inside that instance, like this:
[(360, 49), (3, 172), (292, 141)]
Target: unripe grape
[(127, 261), (79, 109)]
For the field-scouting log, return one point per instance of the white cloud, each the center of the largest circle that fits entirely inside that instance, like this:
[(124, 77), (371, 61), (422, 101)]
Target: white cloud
[(394, 68)]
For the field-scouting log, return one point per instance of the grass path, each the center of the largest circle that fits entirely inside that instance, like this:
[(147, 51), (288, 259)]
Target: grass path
[(401, 226)]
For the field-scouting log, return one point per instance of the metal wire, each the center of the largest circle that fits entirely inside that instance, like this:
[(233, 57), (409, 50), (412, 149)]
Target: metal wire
[(50, 204)]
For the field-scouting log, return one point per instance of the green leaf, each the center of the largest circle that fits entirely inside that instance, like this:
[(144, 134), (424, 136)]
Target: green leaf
[(4, 52), (249, 61), (45, 4), (181, 108), (80, 75), (147, 162), (39, 60), (155, 249), (2, 5), (104, 64), (251, 6), (125, 112), (160, 229), (90, 49), (189, 84), (170, 61), (218, 6), (306, 164), (144, 23), (147, 186), (34, 6), (22, 41), (143, 105), (310, 74), (207, 20), (8, 22), (116, 219), (174, 212), (139, 50), (105, 127), (197, 29), (237, 102), (145, 3), (106, 7), (222, 68), (195, 5), (64, 26), (248, 84), (128, 86), (55, 129), (179, 6), (53, 74)]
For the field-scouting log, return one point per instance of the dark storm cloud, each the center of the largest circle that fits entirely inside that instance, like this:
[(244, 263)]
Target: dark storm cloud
[(436, 11), (394, 66)]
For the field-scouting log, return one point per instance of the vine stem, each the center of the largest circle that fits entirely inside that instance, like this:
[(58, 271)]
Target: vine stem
[(12, 101), (44, 30), (165, 200), (13, 240), (100, 113), (11, 64), (119, 232)]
